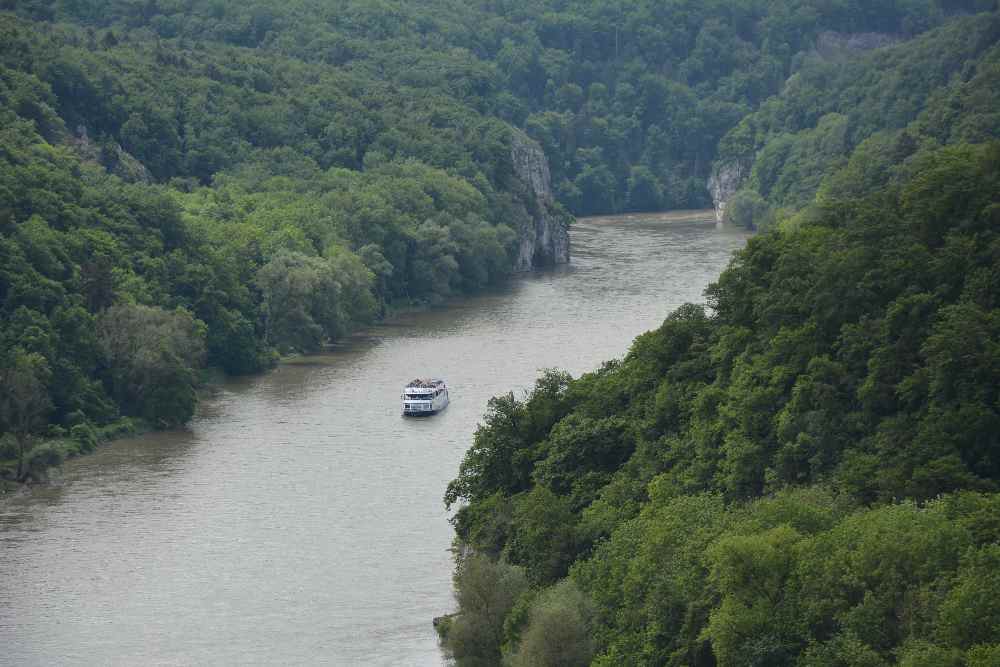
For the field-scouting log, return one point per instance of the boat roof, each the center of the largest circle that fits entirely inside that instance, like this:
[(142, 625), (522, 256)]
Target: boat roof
[(419, 383)]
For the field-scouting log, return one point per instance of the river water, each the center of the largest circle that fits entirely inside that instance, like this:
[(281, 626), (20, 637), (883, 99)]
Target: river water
[(299, 518)]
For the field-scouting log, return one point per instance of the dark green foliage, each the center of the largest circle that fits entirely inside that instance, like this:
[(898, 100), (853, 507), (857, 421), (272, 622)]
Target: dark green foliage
[(271, 197), (732, 492), (24, 407), (938, 89), (487, 591), (805, 474), (176, 156), (630, 101), (558, 631), (149, 360), (748, 209)]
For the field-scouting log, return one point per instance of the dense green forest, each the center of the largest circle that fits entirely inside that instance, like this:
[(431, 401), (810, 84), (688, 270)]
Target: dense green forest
[(803, 472), (169, 206), (871, 111), (629, 100), (236, 180), (807, 470)]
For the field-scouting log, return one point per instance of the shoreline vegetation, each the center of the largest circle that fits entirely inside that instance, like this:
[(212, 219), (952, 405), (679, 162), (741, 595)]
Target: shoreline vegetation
[(51, 451), (806, 472), (213, 184), (59, 445)]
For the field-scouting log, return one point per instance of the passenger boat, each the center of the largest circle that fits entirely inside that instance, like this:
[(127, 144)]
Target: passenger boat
[(424, 397)]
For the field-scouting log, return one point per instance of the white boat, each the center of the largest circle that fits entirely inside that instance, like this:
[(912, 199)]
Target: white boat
[(424, 397)]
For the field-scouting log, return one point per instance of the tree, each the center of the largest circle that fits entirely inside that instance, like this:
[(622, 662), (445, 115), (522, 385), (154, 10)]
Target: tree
[(24, 402), (486, 592), (559, 629), (644, 192), (299, 301), (543, 538), (497, 459), (747, 209), (150, 357), (970, 614), (755, 623)]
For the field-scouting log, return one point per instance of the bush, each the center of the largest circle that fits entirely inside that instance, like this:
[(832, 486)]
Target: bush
[(748, 209), (559, 632), (40, 459), (486, 592), (117, 429), (85, 435)]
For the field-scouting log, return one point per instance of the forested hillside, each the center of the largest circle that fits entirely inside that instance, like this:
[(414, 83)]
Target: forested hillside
[(941, 88), (167, 206), (805, 474), (629, 100), (236, 180), (806, 471)]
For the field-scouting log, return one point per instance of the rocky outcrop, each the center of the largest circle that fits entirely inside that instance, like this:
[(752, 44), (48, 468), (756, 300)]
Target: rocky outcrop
[(115, 159), (729, 174), (726, 179), (830, 44), (543, 229)]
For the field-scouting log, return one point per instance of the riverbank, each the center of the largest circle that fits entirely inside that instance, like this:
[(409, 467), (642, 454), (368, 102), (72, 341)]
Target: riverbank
[(60, 444), (57, 446), (681, 216), (64, 444), (298, 517)]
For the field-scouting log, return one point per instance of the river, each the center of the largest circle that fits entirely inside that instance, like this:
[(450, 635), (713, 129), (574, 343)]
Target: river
[(299, 518)]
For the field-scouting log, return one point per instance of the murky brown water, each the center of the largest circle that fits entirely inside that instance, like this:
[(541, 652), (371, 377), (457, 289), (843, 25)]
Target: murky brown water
[(298, 520)]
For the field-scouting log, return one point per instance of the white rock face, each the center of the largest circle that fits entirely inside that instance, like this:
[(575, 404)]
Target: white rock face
[(544, 232), (726, 179), (729, 175), (115, 161)]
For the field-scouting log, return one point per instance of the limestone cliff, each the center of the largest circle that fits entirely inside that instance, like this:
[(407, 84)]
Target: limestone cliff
[(726, 179), (115, 159), (730, 173), (542, 225)]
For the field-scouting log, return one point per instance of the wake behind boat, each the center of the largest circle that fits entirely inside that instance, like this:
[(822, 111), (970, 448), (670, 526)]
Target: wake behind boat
[(424, 397)]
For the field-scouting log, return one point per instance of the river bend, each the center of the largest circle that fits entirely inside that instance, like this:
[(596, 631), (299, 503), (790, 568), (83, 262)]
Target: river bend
[(299, 518)]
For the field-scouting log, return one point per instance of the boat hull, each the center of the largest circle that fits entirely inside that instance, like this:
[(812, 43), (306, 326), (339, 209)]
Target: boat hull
[(424, 412)]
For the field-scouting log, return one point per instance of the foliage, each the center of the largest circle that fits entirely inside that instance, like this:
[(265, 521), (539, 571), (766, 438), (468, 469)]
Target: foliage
[(24, 403), (888, 103), (629, 100), (802, 477), (748, 209), (486, 592), (150, 357), (273, 200), (558, 632), (181, 155)]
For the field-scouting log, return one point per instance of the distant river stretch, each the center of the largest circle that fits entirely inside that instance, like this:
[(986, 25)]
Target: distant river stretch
[(299, 519)]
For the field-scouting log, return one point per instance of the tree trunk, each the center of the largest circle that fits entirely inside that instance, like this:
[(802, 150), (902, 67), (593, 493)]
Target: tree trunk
[(23, 447)]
